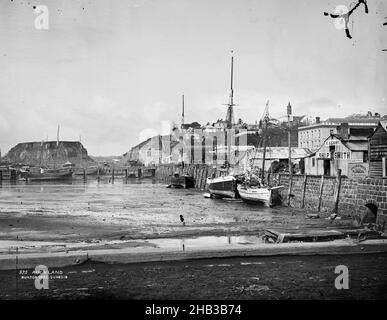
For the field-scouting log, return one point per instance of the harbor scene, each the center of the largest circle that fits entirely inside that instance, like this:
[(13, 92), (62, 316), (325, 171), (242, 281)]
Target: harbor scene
[(182, 165)]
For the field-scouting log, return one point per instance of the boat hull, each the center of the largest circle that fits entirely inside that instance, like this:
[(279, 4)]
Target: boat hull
[(223, 187), (256, 195), (182, 182), (48, 176)]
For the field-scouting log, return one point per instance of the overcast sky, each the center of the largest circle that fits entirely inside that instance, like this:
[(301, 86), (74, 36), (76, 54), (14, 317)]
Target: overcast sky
[(113, 71)]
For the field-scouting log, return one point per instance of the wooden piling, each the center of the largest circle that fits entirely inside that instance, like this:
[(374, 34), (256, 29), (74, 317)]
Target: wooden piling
[(139, 172), (1, 175), (290, 188), (303, 191), (98, 173), (200, 177), (12, 175), (321, 192), (337, 191), (205, 173), (195, 176), (84, 174), (112, 175)]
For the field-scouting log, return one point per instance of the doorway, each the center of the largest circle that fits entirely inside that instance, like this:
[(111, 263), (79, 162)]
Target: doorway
[(327, 167)]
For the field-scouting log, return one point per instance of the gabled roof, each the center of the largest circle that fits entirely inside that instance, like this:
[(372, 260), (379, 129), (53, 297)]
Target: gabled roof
[(141, 144), (352, 144), (382, 124)]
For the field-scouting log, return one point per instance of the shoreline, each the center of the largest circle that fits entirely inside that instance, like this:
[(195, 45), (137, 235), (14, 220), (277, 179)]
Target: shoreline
[(149, 253)]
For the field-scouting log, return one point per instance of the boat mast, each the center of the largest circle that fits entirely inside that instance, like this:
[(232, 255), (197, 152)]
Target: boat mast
[(265, 122), (230, 112), (289, 112), (230, 105), (182, 111), (57, 137)]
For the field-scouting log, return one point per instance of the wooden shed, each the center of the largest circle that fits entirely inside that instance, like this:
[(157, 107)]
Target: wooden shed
[(378, 151)]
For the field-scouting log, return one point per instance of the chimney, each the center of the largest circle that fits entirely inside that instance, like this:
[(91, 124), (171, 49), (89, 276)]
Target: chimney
[(317, 119), (343, 130)]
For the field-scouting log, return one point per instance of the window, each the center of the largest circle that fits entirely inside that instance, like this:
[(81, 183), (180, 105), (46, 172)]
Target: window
[(313, 162)]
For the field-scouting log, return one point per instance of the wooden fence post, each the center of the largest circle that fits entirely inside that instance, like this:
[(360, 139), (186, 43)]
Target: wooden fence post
[(303, 191), (290, 188), (321, 192), (337, 191)]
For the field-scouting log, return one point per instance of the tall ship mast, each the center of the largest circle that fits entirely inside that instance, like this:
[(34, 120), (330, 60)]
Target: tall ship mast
[(230, 105), (225, 186)]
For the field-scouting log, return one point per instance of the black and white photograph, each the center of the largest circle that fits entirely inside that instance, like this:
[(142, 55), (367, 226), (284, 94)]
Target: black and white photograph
[(191, 155)]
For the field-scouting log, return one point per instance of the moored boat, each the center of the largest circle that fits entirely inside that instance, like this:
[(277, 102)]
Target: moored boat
[(181, 181), (47, 174), (257, 194), (224, 186)]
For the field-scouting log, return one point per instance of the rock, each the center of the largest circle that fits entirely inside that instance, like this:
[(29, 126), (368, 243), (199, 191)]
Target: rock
[(28, 153)]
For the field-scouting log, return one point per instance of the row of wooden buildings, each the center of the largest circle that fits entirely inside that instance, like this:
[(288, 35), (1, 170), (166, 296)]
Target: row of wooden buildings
[(356, 155)]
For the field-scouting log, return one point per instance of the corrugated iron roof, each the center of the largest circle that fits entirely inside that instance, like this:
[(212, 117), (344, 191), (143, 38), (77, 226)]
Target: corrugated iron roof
[(281, 153), (356, 145)]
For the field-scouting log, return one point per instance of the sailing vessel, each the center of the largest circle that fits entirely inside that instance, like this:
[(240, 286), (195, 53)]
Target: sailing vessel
[(47, 174), (226, 185), (43, 174), (255, 189)]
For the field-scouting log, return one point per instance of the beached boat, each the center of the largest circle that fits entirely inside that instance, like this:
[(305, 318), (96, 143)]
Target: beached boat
[(255, 189), (181, 181), (47, 174), (224, 186), (258, 194)]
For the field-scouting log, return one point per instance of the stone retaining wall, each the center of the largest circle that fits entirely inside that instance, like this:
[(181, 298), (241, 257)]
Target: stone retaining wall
[(357, 198)]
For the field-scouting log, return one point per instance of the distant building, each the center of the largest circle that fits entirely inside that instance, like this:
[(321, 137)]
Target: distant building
[(378, 151), (304, 120), (313, 136), (338, 152), (278, 157), (147, 153)]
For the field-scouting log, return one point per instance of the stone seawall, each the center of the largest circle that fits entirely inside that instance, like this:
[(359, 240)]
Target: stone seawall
[(364, 200)]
